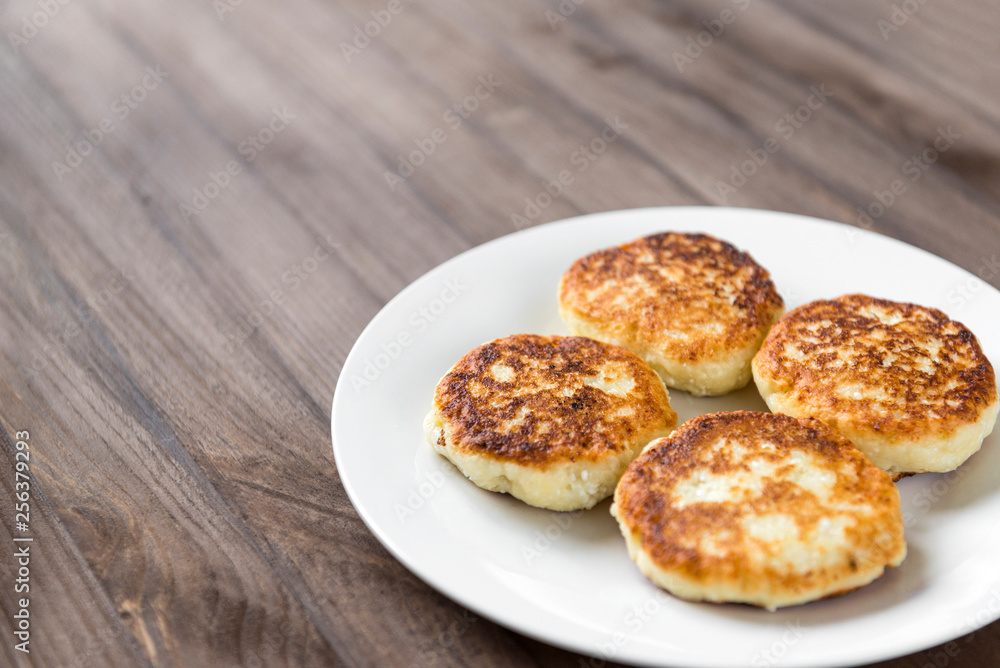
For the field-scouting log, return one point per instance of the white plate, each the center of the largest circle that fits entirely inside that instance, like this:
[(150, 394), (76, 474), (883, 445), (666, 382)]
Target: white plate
[(566, 578)]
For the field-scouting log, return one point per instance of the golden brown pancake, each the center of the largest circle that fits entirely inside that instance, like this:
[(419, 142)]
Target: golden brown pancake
[(909, 387), (758, 508), (551, 420), (693, 306)]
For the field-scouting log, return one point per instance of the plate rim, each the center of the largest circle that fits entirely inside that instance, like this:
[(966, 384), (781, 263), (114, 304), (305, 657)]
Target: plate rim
[(469, 600)]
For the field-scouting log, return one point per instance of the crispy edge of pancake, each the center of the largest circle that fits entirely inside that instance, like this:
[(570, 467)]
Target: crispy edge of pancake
[(647, 518), (572, 464), (707, 364), (898, 440), (561, 486), (476, 423), (712, 377)]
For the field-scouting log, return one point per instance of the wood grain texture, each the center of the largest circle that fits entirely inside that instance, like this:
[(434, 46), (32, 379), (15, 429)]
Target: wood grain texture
[(175, 369)]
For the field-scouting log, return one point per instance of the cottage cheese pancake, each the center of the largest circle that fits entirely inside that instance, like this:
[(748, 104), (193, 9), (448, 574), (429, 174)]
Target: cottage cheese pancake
[(758, 508), (909, 387), (694, 307), (551, 420)]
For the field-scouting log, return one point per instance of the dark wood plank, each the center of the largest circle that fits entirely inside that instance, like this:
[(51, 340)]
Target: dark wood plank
[(175, 368)]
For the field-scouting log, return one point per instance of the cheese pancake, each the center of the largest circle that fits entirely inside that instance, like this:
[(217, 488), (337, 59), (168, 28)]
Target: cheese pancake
[(693, 306), (550, 420), (909, 387), (758, 508)]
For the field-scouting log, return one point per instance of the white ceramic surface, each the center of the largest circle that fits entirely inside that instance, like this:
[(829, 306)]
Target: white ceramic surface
[(566, 578)]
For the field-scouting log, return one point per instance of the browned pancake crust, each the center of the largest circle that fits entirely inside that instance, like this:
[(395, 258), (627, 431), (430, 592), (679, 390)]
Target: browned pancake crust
[(561, 418), (845, 345), (644, 498), (671, 281)]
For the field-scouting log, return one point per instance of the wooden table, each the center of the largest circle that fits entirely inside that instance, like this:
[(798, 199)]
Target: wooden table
[(203, 203)]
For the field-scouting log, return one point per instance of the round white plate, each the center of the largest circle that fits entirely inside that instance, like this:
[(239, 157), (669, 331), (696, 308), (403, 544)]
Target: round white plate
[(566, 578)]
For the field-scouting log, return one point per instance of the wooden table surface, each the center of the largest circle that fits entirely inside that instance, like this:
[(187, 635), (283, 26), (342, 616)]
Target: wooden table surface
[(202, 204)]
